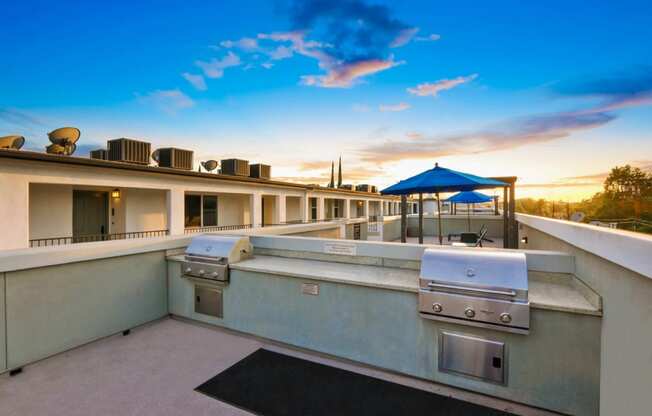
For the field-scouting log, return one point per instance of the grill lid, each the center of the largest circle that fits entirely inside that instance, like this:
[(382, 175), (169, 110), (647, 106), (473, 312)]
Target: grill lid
[(231, 248), (473, 268)]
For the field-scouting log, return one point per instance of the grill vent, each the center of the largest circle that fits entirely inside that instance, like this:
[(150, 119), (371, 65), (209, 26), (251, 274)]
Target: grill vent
[(237, 167), (129, 150), (258, 170)]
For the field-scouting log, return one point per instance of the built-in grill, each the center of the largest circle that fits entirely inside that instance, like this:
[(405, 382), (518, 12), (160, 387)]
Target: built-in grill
[(475, 287), (208, 256)]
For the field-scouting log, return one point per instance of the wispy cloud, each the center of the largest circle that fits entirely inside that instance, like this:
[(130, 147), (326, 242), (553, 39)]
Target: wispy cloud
[(196, 80), (515, 133), (434, 88), (630, 89), (393, 107), (215, 67), (247, 44), (168, 101), (344, 75), (430, 38)]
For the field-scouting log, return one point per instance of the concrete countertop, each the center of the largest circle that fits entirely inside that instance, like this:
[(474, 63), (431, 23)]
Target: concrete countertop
[(551, 291)]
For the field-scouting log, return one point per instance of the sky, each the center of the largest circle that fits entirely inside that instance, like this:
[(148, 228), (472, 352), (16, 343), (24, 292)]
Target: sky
[(556, 93)]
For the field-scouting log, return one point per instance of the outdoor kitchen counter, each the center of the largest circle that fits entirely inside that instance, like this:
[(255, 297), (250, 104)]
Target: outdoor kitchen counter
[(551, 291)]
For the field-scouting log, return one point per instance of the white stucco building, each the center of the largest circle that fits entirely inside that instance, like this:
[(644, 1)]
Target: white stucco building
[(51, 199)]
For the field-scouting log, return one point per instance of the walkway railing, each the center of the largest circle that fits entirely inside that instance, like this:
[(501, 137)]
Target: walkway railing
[(194, 230), (58, 241)]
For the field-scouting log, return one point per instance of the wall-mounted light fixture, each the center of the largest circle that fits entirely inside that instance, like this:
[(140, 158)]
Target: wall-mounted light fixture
[(115, 193), (524, 240)]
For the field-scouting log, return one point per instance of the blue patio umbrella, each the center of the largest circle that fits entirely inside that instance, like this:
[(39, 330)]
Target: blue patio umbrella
[(438, 180), (468, 198)]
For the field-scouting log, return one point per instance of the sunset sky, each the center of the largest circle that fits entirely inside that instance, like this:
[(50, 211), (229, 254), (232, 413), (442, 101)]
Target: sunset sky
[(555, 93)]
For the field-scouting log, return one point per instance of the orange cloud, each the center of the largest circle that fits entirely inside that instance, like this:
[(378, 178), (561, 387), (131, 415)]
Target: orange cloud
[(434, 88), (344, 75)]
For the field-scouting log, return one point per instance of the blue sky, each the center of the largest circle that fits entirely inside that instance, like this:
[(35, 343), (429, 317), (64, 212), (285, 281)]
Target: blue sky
[(553, 92)]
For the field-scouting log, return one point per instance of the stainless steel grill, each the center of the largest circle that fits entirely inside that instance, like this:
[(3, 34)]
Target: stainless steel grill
[(208, 256), (475, 287)]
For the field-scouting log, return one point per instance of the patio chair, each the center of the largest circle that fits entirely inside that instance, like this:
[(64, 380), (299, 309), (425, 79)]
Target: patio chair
[(473, 239)]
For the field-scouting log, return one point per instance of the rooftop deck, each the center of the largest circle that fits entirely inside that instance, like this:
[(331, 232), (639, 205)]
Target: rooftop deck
[(155, 369)]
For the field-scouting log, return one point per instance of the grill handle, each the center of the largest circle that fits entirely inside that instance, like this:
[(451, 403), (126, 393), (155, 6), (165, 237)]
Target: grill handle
[(468, 289)]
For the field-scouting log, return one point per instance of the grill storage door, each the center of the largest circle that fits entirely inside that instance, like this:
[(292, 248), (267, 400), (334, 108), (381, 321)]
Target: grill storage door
[(208, 301), (471, 356)]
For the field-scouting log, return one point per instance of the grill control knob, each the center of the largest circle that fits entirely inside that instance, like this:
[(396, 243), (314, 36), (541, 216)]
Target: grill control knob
[(437, 307), (201, 271), (188, 269), (470, 313), (215, 274), (505, 318)]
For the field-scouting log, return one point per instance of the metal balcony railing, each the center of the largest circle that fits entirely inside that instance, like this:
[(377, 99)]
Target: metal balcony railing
[(193, 230), (58, 241)]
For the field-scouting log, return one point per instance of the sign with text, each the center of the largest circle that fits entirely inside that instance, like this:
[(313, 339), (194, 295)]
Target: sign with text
[(346, 249)]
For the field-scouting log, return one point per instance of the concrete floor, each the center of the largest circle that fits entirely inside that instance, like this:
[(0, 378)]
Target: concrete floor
[(154, 370)]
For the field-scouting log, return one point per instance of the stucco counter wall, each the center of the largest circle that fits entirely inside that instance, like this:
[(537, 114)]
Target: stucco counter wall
[(555, 367)]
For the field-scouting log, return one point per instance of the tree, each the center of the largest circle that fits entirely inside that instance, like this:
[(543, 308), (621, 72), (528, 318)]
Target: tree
[(628, 184)]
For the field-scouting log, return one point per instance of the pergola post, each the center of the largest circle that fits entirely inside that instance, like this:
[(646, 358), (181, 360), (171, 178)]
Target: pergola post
[(505, 220), (403, 218), (513, 232), (420, 218)]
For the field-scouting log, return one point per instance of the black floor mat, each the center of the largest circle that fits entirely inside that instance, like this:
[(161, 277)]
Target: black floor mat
[(273, 384)]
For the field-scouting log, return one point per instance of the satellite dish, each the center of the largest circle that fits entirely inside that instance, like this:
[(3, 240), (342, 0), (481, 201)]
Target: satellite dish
[(209, 165), (63, 141), (577, 216), (64, 136), (12, 142), (156, 156), (57, 149)]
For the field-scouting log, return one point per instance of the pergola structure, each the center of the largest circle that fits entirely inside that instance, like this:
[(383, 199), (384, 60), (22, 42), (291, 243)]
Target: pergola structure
[(438, 180)]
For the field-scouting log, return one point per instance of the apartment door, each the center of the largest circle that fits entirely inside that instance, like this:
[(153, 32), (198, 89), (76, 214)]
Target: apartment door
[(90, 213)]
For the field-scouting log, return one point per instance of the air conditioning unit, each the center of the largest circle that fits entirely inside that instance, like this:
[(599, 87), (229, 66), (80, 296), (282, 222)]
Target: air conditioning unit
[(258, 170), (101, 154), (171, 157), (347, 186), (363, 188), (129, 150), (235, 167)]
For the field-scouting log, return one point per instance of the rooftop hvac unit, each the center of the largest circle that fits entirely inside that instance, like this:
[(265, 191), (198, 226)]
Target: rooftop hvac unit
[(12, 142), (171, 157), (235, 167), (258, 170), (129, 150), (363, 188), (347, 186), (101, 154)]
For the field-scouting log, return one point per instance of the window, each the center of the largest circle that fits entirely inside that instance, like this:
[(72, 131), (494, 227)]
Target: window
[(209, 205), (200, 210), (336, 209), (313, 208), (193, 211)]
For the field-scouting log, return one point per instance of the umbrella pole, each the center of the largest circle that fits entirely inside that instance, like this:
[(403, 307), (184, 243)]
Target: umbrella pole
[(439, 218), (468, 218), (420, 218)]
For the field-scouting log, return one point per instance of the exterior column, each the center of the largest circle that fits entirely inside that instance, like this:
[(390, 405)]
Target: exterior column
[(513, 230), (365, 207), (420, 218), (256, 209), (14, 212), (305, 208), (321, 208), (280, 216), (176, 211), (347, 208)]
